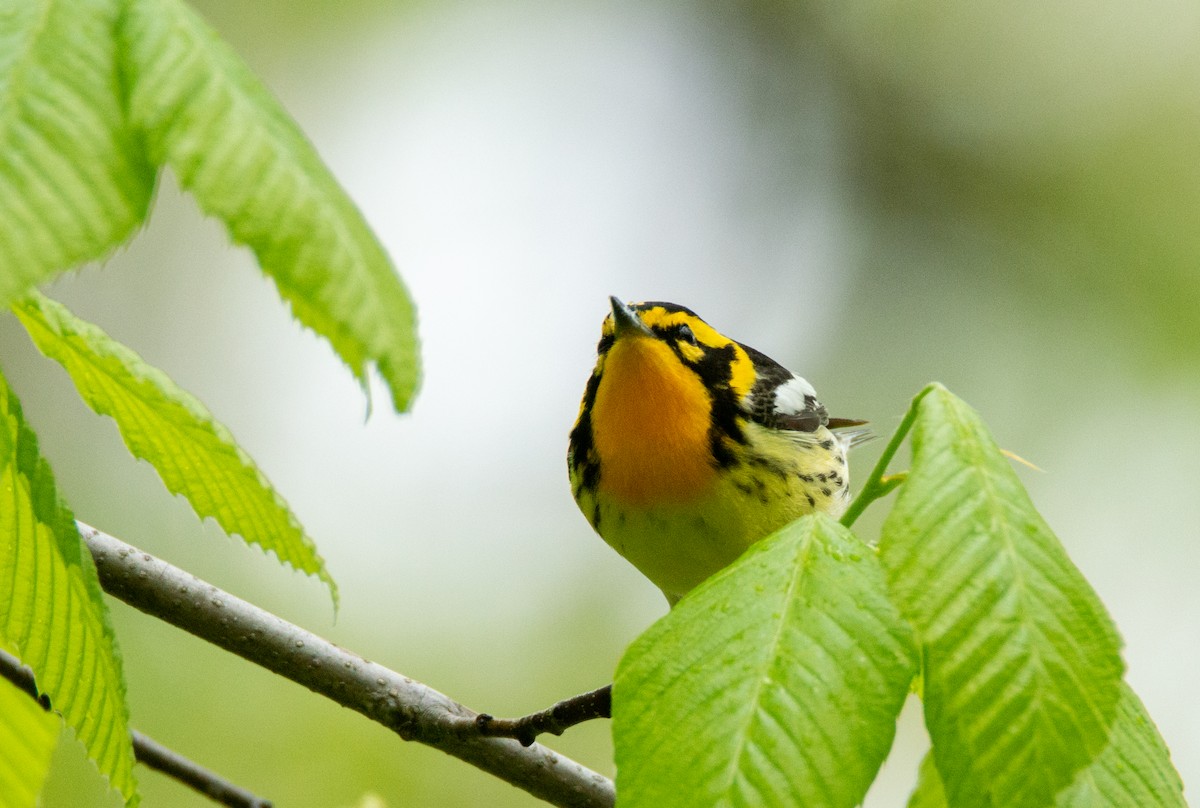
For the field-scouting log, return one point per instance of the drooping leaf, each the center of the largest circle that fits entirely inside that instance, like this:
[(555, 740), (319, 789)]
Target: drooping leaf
[(775, 683), (232, 145), (162, 424), (28, 737), (51, 610), (1022, 665), (1133, 771), (74, 183)]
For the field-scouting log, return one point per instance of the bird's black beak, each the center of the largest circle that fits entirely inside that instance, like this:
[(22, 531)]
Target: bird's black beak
[(625, 320)]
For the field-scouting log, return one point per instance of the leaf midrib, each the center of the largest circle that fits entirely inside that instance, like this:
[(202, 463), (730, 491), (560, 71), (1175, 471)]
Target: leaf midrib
[(796, 581), (978, 466)]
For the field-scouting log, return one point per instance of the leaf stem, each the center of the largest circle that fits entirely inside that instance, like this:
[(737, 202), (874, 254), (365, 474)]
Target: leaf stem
[(878, 485)]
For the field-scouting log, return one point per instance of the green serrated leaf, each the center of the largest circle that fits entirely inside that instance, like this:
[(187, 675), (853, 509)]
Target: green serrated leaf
[(162, 424), (775, 683), (74, 183), (1021, 663), (28, 737), (929, 792), (51, 609), (1133, 771), (7, 449), (233, 146)]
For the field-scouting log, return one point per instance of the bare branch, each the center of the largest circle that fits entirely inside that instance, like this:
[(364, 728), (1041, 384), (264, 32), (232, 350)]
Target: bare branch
[(148, 751), (21, 676), (555, 719), (412, 710), (156, 756)]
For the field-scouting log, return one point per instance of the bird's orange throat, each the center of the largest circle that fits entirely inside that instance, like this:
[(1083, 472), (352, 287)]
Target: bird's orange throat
[(650, 425)]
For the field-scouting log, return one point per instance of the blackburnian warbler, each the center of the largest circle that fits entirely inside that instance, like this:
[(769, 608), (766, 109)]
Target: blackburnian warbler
[(689, 446)]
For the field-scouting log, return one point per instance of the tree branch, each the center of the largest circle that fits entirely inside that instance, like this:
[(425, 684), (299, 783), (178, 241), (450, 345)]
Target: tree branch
[(156, 756), (148, 751), (412, 710), (555, 719)]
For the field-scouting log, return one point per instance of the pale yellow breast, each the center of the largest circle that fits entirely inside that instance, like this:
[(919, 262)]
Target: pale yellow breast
[(679, 545)]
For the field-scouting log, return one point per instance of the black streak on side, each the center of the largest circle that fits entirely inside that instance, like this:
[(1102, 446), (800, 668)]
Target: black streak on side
[(767, 464), (715, 370), (580, 452)]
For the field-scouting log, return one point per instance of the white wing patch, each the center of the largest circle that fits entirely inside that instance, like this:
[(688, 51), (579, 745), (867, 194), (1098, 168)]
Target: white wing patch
[(795, 396)]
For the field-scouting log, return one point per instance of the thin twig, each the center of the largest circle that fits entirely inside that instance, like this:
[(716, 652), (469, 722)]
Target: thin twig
[(412, 710), (554, 719), (877, 485), (21, 676), (148, 751), (156, 756)]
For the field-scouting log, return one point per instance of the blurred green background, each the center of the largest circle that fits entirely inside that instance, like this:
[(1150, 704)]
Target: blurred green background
[(999, 196)]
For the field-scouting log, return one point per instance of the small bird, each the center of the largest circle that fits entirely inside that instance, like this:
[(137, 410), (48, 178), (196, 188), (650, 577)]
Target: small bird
[(689, 446)]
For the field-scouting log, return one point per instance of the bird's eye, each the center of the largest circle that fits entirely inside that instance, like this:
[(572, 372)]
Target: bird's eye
[(685, 335)]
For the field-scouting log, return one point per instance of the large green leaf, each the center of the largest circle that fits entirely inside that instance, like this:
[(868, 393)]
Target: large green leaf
[(232, 145), (1133, 771), (73, 181), (77, 174), (775, 683), (51, 610), (165, 426), (1021, 663), (929, 792), (28, 737)]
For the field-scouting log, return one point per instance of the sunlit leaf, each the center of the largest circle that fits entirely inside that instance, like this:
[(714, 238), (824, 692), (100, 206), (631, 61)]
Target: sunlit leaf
[(1133, 771), (165, 426), (232, 145), (28, 737), (74, 183), (1022, 666), (775, 683), (51, 610)]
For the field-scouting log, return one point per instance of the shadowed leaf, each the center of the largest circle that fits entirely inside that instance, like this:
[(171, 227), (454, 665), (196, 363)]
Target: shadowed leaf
[(1021, 662), (1133, 770)]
